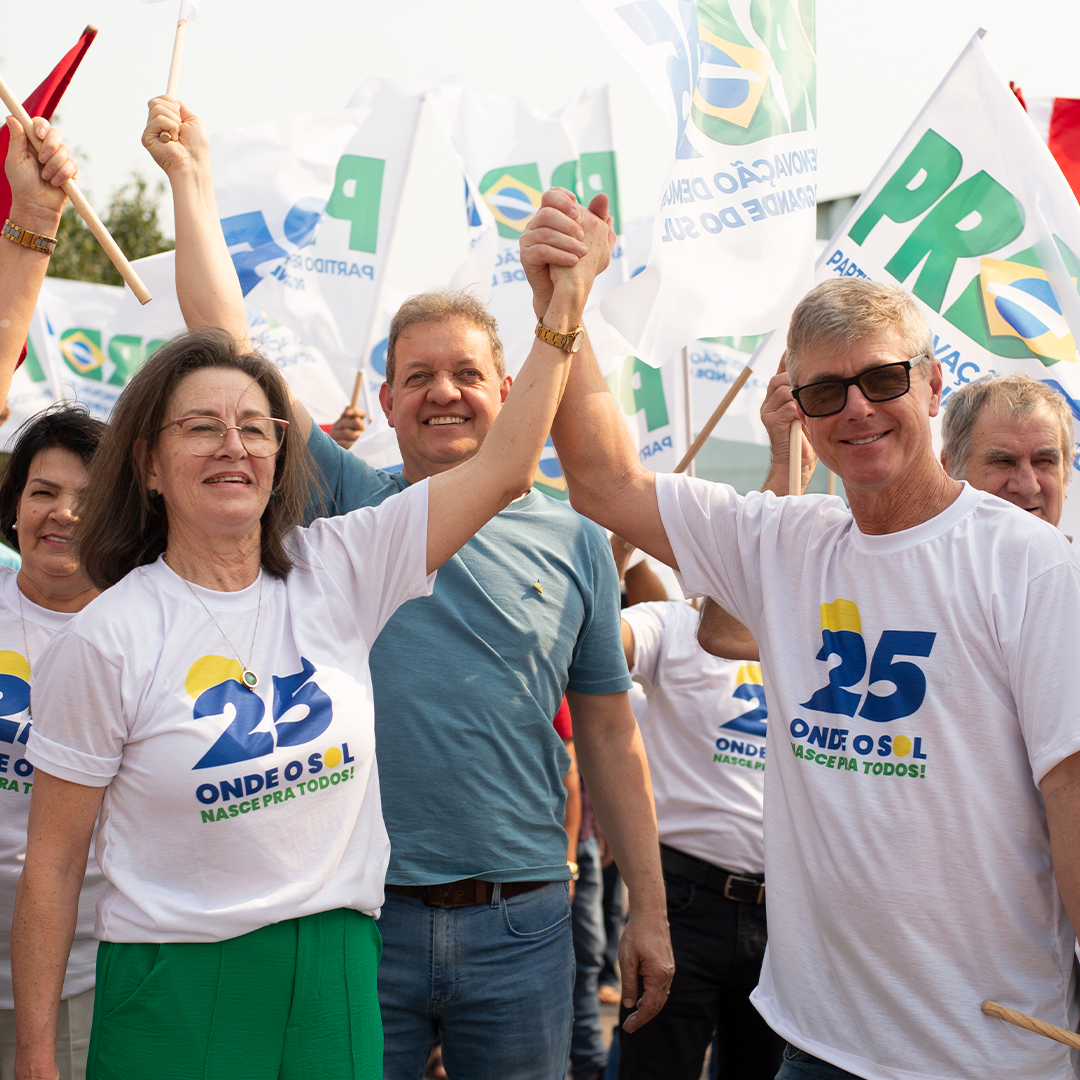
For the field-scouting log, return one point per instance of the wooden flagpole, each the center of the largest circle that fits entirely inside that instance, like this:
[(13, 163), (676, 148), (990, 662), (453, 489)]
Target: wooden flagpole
[(78, 200), (713, 420), (794, 483), (357, 387), (177, 60), (1031, 1023)]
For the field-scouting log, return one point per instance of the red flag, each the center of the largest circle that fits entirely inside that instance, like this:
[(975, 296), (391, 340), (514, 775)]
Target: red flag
[(1058, 121), (43, 102), (1064, 139)]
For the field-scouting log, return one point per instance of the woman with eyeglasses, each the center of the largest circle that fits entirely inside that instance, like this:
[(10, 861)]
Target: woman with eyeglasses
[(214, 704)]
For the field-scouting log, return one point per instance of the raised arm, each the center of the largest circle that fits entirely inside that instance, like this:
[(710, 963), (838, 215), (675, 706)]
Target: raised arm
[(37, 200), (606, 481), (206, 282), (62, 817), (462, 499)]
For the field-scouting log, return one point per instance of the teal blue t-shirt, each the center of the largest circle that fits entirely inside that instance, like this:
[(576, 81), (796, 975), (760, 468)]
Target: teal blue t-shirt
[(467, 681)]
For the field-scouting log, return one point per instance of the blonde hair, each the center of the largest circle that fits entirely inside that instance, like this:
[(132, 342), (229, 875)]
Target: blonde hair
[(837, 314)]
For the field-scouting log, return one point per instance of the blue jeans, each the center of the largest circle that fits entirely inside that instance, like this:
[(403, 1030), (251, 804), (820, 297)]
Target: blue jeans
[(495, 980), (587, 1050), (799, 1065)]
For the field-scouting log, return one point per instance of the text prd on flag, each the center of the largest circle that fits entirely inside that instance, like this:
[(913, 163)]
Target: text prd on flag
[(733, 239)]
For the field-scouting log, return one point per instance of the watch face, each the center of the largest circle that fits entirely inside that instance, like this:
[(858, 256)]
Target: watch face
[(576, 343)]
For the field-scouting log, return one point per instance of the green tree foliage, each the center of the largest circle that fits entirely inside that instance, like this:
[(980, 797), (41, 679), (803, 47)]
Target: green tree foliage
[(133, 221)]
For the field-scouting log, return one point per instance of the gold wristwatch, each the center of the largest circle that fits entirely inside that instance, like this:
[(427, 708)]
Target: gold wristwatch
[(574, 872), (570, 342), (35, 241)]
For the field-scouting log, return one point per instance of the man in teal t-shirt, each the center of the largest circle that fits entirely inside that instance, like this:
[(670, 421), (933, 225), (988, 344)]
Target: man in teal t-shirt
[(476, 924)]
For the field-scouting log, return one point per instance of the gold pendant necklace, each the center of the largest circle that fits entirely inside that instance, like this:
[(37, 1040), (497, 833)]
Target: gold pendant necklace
[(251, 680)]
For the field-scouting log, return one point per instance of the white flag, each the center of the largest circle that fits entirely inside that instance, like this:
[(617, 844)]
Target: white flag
[(973, 217), (86, 341), (308, 206), (511, 153), (733, 238), (303, 365)]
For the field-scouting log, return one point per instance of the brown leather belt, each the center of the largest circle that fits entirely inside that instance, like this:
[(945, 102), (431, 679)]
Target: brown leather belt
[(465, 892)]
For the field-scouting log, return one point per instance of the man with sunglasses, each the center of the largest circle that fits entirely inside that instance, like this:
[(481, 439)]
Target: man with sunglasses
[(922, 811)]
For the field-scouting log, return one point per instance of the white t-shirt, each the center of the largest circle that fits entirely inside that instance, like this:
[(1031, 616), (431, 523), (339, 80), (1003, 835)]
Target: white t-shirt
[(17, 780), (228, 809), (924, 682), (704, 733)]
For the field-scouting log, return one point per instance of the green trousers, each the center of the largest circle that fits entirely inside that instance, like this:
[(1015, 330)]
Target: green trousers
[(289, 1001)]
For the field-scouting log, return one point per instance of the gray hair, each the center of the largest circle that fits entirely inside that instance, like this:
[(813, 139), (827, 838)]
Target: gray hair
[(1020, 395), (837, 314), (441, 305)]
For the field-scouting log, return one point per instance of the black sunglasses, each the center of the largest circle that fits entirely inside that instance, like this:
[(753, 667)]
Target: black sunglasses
[(878, 384)]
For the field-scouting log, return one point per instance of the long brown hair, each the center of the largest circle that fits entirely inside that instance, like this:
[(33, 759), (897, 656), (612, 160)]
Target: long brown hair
[(121, 526)]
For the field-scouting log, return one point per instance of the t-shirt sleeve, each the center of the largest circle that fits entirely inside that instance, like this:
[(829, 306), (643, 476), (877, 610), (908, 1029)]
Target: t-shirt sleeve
[(715, 534), (1042, 656), (598, 664), (646, 622), (78, 731), (343, 482), (376, 556)]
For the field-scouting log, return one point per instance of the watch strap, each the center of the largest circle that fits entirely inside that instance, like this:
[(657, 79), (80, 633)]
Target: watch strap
[(566, 342), (35, 241)]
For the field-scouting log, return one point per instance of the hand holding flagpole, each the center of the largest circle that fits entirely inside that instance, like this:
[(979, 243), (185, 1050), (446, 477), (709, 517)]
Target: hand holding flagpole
[(188, 10), (78, 200)]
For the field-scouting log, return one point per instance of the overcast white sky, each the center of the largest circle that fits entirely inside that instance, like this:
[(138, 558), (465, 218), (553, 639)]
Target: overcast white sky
[(246, 60)]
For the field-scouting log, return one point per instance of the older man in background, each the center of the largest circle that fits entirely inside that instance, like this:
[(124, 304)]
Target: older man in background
[(1011, 435)]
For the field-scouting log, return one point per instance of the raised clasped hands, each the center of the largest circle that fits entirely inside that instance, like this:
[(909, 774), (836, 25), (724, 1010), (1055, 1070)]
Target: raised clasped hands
[(567, 244)]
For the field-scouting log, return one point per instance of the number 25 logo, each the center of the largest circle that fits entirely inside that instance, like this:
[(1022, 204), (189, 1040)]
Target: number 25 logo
[(841, 636), (240, 741)]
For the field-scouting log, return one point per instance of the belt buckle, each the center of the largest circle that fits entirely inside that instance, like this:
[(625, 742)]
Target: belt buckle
[(735, 879)]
